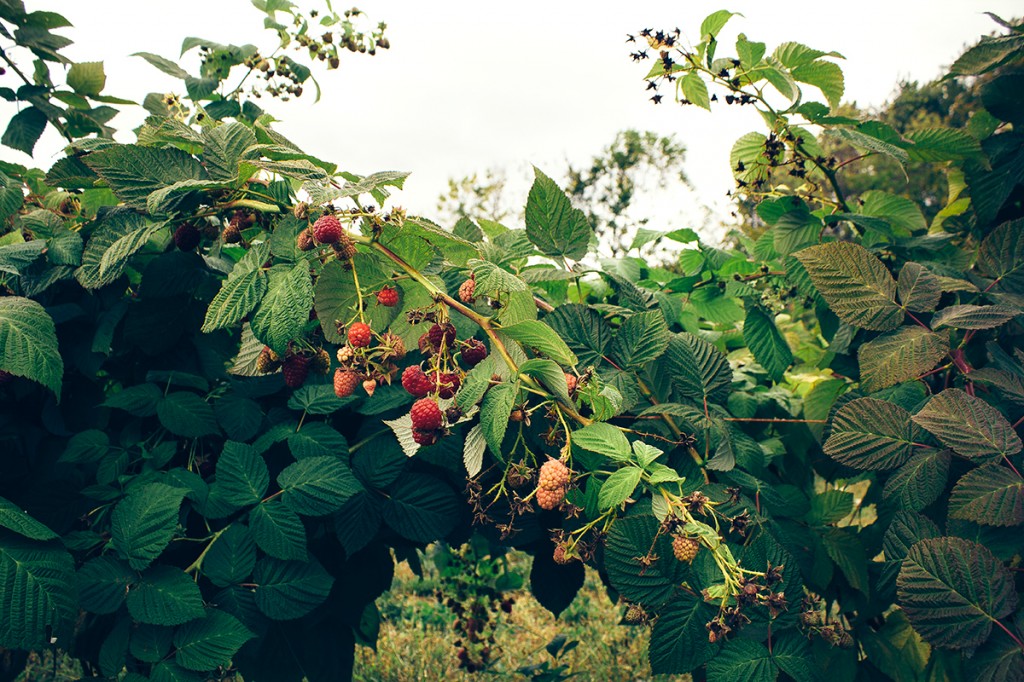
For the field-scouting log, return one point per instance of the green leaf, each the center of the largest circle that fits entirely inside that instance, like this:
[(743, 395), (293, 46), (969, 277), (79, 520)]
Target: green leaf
[(538, 335), (695, 90), (240, 418), (792, 653), (18, 520), (37, 593), (934, 145), (715, 22), (968, 425), (872, 434), (618, 487), (742, 660), (24, 130), (826, 76), (316, 399), (209, 642), (697, 368), (133, 172), (16, 257), (604, 439), (317, 439), (87, 78), (583, 330), (641, 339), (115, 258), (855, 284), (1001, 256), (164, 64), (767, 343), (117, 225), (901, 213), (829, 507), (284, 311), (679, 640), (242, 476), (317, 486), (974, 316), (845, 549), (165, 595), (494, 413), (231, 557), (991, 494), (278, 531), (186, 414), (918, 483), (987, 54), (237, 297), (792, 55), (952, 590), (899, 356), (629, 539), (918, 288), (421, 508), (290, 589), (553, 225), (473, 451), (103, 583), (28, 339), (550, 375), (140, 400), (872, 139), (144, 522), (1000, 659), (224, 146)]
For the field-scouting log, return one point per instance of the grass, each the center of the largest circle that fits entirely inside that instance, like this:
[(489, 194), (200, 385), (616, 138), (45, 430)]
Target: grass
[(415, 641)]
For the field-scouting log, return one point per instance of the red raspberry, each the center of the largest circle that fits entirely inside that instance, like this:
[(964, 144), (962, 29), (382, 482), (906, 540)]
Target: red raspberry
[(424, 437), (416, 382), (360, 335), (295, 369), (445, 383), (553, 475), (305, 241), (426, 415), (561, 555), (345, 249), (474, 352), (424, 345), (327, 229), (550, 499), (388, 297), (369, 386), (466, 291), (187, 237), (232, 233), (268, 361), (345, 383), (685, 548), (442, 335), (570, 382)]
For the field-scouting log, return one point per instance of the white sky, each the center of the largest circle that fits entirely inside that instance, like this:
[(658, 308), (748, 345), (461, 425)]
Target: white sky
[(469, 85)]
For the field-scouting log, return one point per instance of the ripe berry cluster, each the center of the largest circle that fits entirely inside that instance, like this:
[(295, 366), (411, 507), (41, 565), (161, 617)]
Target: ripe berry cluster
[(367, 360), (551, 484)]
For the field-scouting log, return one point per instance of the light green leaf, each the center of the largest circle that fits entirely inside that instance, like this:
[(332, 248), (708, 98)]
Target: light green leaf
[(899, 356), (164, 64), (28, 340), (952, 590), (284, 310), (133, 172), (695, 90), (236, 299), (992, 495), (604, 439), (618, 487), (224, 146), (901, 213), (553, 224), (87, 78), (473, 451), (855, 284), (550, 375), (713, 23), (17, 520), (935, 145), (144, 522), (538, 335), (968, 425), (826, 76), (494, 413)]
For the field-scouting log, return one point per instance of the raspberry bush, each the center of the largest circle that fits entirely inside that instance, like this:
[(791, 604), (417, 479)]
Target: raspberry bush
[(796, 454)]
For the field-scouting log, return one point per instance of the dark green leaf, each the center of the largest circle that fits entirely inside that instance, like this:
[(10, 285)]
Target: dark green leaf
[(317, 486), (856, 285), (242, 475), (186, 414), (898, 356), (278, 531), (767, 343), (421, 508), (144, 522), (290, 589), (165, 595), (552, 223), (28, 340), (991, 494), (968, 425), (209, 642)]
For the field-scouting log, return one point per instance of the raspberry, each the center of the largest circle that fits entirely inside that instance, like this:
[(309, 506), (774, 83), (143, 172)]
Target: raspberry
[(442, 335), (553, 475), (345, 249), (327, 229), (345, 383), (570, 382), (268, 361), (305, 241), (466, 290), (344, 355), (424, 437), (187, 237), (360, 335), (550, 499), (301, 210), (426, 415), (232, 233), (445, 383), (561, 555), (424, 344), (394, 344), (474, 352), (416, 382), (388, 297), (295, 369), (321, 362), (635, 615), (369, 386), (685, 548)]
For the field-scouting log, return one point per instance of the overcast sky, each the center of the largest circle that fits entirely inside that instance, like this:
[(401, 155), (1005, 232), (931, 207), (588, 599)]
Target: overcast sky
[(469, 85)]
